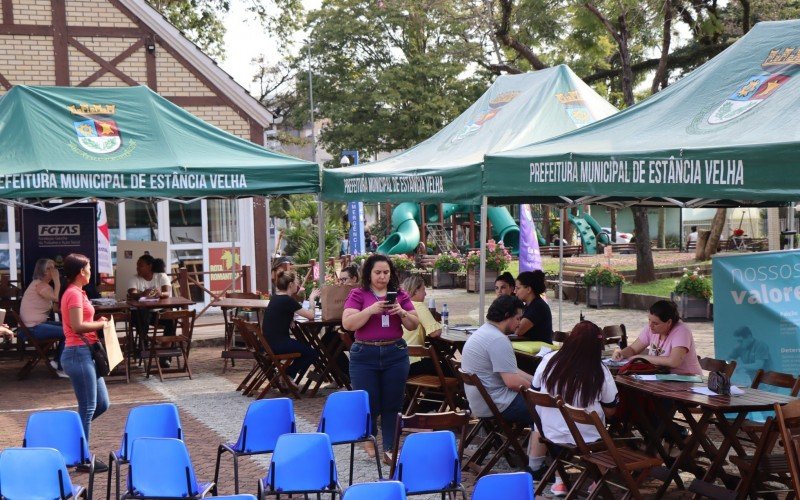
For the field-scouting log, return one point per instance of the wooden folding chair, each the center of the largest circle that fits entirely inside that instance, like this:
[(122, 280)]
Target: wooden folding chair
[(765, 464), (171, 346), (422, 422), (423, 387), (259, 371), (717, 365), (230, 350), (631, 466), (37, 349), (273, 365), (751, 429), (506, 438), (615, 334), (788, 418)]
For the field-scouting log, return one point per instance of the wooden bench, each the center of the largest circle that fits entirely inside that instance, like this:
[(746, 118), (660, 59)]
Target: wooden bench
[(569, 251), (624, 248)]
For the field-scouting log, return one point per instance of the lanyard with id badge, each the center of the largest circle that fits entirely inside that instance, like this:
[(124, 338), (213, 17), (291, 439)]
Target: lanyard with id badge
[(391, 298)]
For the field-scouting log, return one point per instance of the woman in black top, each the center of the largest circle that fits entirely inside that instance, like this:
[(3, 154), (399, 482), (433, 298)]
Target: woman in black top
[(278, 318), (537, 322)]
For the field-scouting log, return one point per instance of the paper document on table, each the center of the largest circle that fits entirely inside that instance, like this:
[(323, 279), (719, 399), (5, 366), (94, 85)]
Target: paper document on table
[(148, 299), (735, 391), (650, 378)]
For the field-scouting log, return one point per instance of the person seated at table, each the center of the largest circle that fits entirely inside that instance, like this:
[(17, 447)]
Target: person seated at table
[(667, 339), (488, 354), (537, 322), (414, 286), (149, 284), (278, 318), (577, 374), (37, 306), (504, 284), (349, 275), (6, 333)]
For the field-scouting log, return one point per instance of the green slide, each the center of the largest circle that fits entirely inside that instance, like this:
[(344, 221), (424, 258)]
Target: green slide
[(602, 238), (405, 237), (504, 228), (586, 233)]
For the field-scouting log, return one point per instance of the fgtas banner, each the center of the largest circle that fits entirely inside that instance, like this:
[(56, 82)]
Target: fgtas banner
[(46, 180), (757, 312)]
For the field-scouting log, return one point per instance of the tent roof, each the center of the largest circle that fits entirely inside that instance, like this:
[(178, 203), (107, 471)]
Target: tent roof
[(129, 142), (515, 110), (727, 133)]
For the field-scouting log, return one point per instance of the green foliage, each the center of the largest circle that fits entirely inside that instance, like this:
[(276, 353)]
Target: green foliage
[(694, 284), (497, 257), (448, 262), (301, 234), (386, 75), (402, 262), (601, 275), (199, 20)]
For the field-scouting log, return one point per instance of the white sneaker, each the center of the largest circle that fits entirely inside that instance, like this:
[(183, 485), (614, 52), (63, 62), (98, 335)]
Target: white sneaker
[(61, 374), (558, 490), (53, 364)]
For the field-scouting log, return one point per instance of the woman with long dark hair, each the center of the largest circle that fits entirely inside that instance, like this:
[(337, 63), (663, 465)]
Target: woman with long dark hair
[(577, 374), (668, 341), (504, 284), (537, 322), (377, 312), (80, 329)]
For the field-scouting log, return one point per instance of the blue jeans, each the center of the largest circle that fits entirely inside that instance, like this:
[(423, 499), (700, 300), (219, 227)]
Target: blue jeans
[(49, 330), (308, 355), (89, 389), (382, 372), (517, 412)]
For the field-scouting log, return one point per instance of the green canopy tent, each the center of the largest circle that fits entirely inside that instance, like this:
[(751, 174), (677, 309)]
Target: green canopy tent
[(129, 142), (63, 145), (515, 110), (728, 133)]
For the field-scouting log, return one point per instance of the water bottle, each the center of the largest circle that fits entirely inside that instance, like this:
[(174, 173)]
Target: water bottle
[(445, 318)]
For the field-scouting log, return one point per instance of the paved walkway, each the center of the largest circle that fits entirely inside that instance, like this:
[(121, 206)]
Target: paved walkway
[(211, 410)]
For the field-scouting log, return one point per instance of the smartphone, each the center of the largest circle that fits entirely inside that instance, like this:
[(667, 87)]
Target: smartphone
[(391, 297)]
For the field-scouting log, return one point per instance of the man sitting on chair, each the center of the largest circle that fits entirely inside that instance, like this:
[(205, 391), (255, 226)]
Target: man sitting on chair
[(489, 355)]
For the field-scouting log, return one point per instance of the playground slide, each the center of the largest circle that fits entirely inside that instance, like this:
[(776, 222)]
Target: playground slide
[(504, 228), (598, 232), (405, 237), (586, 234)]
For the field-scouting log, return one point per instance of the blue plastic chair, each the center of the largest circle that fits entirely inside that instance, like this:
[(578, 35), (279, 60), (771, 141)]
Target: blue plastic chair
[(27, 473), (428, 463), (517, 485), (346, 418), (162, 468), (265, 421), (62, 430), (157, 420), (236, 497), (386, 490), (301, 463)]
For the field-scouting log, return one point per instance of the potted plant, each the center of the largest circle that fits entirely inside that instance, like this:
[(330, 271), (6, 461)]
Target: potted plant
[(444, 268), (603, 286), (693, 295), (497, 259), (403, 265)]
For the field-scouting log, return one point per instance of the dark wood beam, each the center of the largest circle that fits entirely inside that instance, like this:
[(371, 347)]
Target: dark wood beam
[(60, 47), (102, 62), (8, 12), (188, 100), (114, 62), (4, 82), (25, 29), (104, 31), (150, 64)]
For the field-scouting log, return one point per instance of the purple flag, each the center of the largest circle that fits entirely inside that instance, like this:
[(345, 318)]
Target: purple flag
[(529, 257)]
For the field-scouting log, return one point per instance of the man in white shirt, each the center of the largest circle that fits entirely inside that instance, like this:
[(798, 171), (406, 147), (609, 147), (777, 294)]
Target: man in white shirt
[(692, 237), (489, 355)]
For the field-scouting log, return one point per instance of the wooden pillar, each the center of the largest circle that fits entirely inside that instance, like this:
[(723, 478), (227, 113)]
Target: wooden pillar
[(472, 229), (422, 229), (246, 279)]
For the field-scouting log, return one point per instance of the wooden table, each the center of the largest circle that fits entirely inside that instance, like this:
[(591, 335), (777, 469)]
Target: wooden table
[(229, 350), (713, 411), (109, 309), (151, 305), (311, 332)]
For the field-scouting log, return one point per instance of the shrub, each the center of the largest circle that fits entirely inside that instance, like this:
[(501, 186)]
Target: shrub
[(694, 284), (601, 275), (448, 262), (497, 257), (402, 263)]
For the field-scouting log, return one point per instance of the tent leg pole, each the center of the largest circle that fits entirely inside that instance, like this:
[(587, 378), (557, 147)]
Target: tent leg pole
[(321, 239), (269, 246), (482, 270), (561, 269)]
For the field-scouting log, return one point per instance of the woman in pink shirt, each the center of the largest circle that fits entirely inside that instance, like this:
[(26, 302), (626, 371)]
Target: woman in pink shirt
[(665, 341), (377, 311), (80, 329), (37, 304)]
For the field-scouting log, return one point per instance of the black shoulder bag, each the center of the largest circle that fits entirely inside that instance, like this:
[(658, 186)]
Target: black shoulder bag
[(719, 383), (99, 356)]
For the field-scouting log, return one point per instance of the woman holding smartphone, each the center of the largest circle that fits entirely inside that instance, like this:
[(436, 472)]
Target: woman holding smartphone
[(377, 312)]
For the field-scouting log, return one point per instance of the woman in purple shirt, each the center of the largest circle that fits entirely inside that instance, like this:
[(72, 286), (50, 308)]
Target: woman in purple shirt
[(377, 313)]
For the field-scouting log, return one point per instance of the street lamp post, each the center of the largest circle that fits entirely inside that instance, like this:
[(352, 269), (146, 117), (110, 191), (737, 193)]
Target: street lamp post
[(320, 206)]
